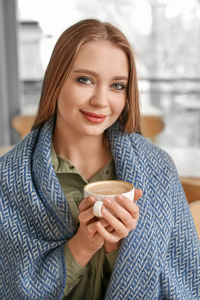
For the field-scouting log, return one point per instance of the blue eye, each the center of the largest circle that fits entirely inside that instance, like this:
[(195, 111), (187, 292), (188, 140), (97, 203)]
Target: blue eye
[(119, 86), (84, 80)]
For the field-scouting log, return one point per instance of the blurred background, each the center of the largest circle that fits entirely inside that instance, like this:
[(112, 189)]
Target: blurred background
[(165, 35)]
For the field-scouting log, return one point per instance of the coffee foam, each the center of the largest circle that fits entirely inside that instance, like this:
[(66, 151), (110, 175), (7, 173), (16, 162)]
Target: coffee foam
[(104, 188)]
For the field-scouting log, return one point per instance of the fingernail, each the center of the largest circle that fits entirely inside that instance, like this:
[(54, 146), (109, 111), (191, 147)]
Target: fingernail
[(104, 211), (92, 199), (107, 201), (120, 197)]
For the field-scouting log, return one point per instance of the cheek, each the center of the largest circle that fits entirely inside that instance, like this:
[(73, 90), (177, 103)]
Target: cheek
[(60, 104), (120, 106), (117, 99), (123, 104), (63, 100)]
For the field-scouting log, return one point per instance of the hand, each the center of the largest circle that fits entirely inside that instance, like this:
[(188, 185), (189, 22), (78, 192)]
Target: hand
[(121, 221), (87, 241)]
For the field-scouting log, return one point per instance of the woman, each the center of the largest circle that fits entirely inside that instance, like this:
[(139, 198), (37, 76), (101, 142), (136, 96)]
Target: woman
[(87, 129)]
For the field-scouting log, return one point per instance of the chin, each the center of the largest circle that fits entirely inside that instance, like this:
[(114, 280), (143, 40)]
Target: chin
[(95, 131)]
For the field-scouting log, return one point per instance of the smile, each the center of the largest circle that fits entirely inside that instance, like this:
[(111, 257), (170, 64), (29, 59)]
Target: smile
[(93, 118)]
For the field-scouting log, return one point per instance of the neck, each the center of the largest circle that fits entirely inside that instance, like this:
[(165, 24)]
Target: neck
[(88, 153)]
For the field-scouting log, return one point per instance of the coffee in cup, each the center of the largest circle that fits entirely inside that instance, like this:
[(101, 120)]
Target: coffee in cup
[(107, 188)]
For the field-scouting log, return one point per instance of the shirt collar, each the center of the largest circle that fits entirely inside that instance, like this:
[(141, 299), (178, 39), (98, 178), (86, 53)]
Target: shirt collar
[(61, 165)]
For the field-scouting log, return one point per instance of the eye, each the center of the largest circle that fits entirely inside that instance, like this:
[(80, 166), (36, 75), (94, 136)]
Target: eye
[(84, 80), (119, 86)]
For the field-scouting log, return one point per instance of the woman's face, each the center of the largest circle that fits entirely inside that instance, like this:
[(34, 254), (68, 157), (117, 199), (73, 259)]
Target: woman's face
[(94, 94)]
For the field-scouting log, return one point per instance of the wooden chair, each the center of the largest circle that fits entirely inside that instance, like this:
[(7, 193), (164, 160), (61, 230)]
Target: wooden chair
[(191, 188), (151, 126), (195, 210), (23, 124)]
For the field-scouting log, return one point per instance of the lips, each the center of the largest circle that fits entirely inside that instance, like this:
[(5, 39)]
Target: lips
[(93, 117)]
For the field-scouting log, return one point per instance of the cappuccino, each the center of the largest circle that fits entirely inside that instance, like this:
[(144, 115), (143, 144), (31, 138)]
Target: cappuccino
[(107, 188), (110, 187)]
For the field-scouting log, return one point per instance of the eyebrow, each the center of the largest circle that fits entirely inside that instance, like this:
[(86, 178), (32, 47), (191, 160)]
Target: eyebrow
[(92, 73)]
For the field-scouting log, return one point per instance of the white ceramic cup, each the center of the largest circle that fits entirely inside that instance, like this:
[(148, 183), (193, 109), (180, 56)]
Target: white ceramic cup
[(107, 188)]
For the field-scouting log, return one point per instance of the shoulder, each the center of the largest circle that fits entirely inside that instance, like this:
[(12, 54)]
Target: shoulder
[(136, 144), (159, 175), (149, 150), (17, 158), (18, 150), (151, 156), (134, 153)]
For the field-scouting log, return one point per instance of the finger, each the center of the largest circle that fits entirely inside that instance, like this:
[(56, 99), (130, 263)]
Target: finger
[(87, 216), (92, 226), (123, 225), (108, 236), (109, 228), (86, 203), (103, 222), (130, 206), (106, 225), (138, 194), (122, 207)]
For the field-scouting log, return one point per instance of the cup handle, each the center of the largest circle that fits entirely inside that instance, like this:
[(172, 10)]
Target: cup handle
[(97, 209)]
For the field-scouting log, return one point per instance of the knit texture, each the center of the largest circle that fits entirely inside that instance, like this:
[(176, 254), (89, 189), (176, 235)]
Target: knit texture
[(160, 259)]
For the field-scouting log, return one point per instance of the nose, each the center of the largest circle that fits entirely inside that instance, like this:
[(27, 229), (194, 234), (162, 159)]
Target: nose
[(99, 97)]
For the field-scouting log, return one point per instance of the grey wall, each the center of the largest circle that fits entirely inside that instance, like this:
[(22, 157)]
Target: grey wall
[(9, 82)]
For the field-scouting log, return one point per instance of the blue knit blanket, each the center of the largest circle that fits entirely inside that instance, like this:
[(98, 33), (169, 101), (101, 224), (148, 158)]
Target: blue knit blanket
[(160, 259)]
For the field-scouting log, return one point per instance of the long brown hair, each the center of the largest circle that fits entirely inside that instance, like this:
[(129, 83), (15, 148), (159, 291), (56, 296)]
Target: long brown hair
[(62, 59)]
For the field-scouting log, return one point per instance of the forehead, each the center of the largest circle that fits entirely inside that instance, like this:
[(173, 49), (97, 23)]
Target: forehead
[(102, 54)]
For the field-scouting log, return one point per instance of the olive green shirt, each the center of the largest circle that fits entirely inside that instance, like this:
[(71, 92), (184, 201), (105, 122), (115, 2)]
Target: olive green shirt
[(90, 282)]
